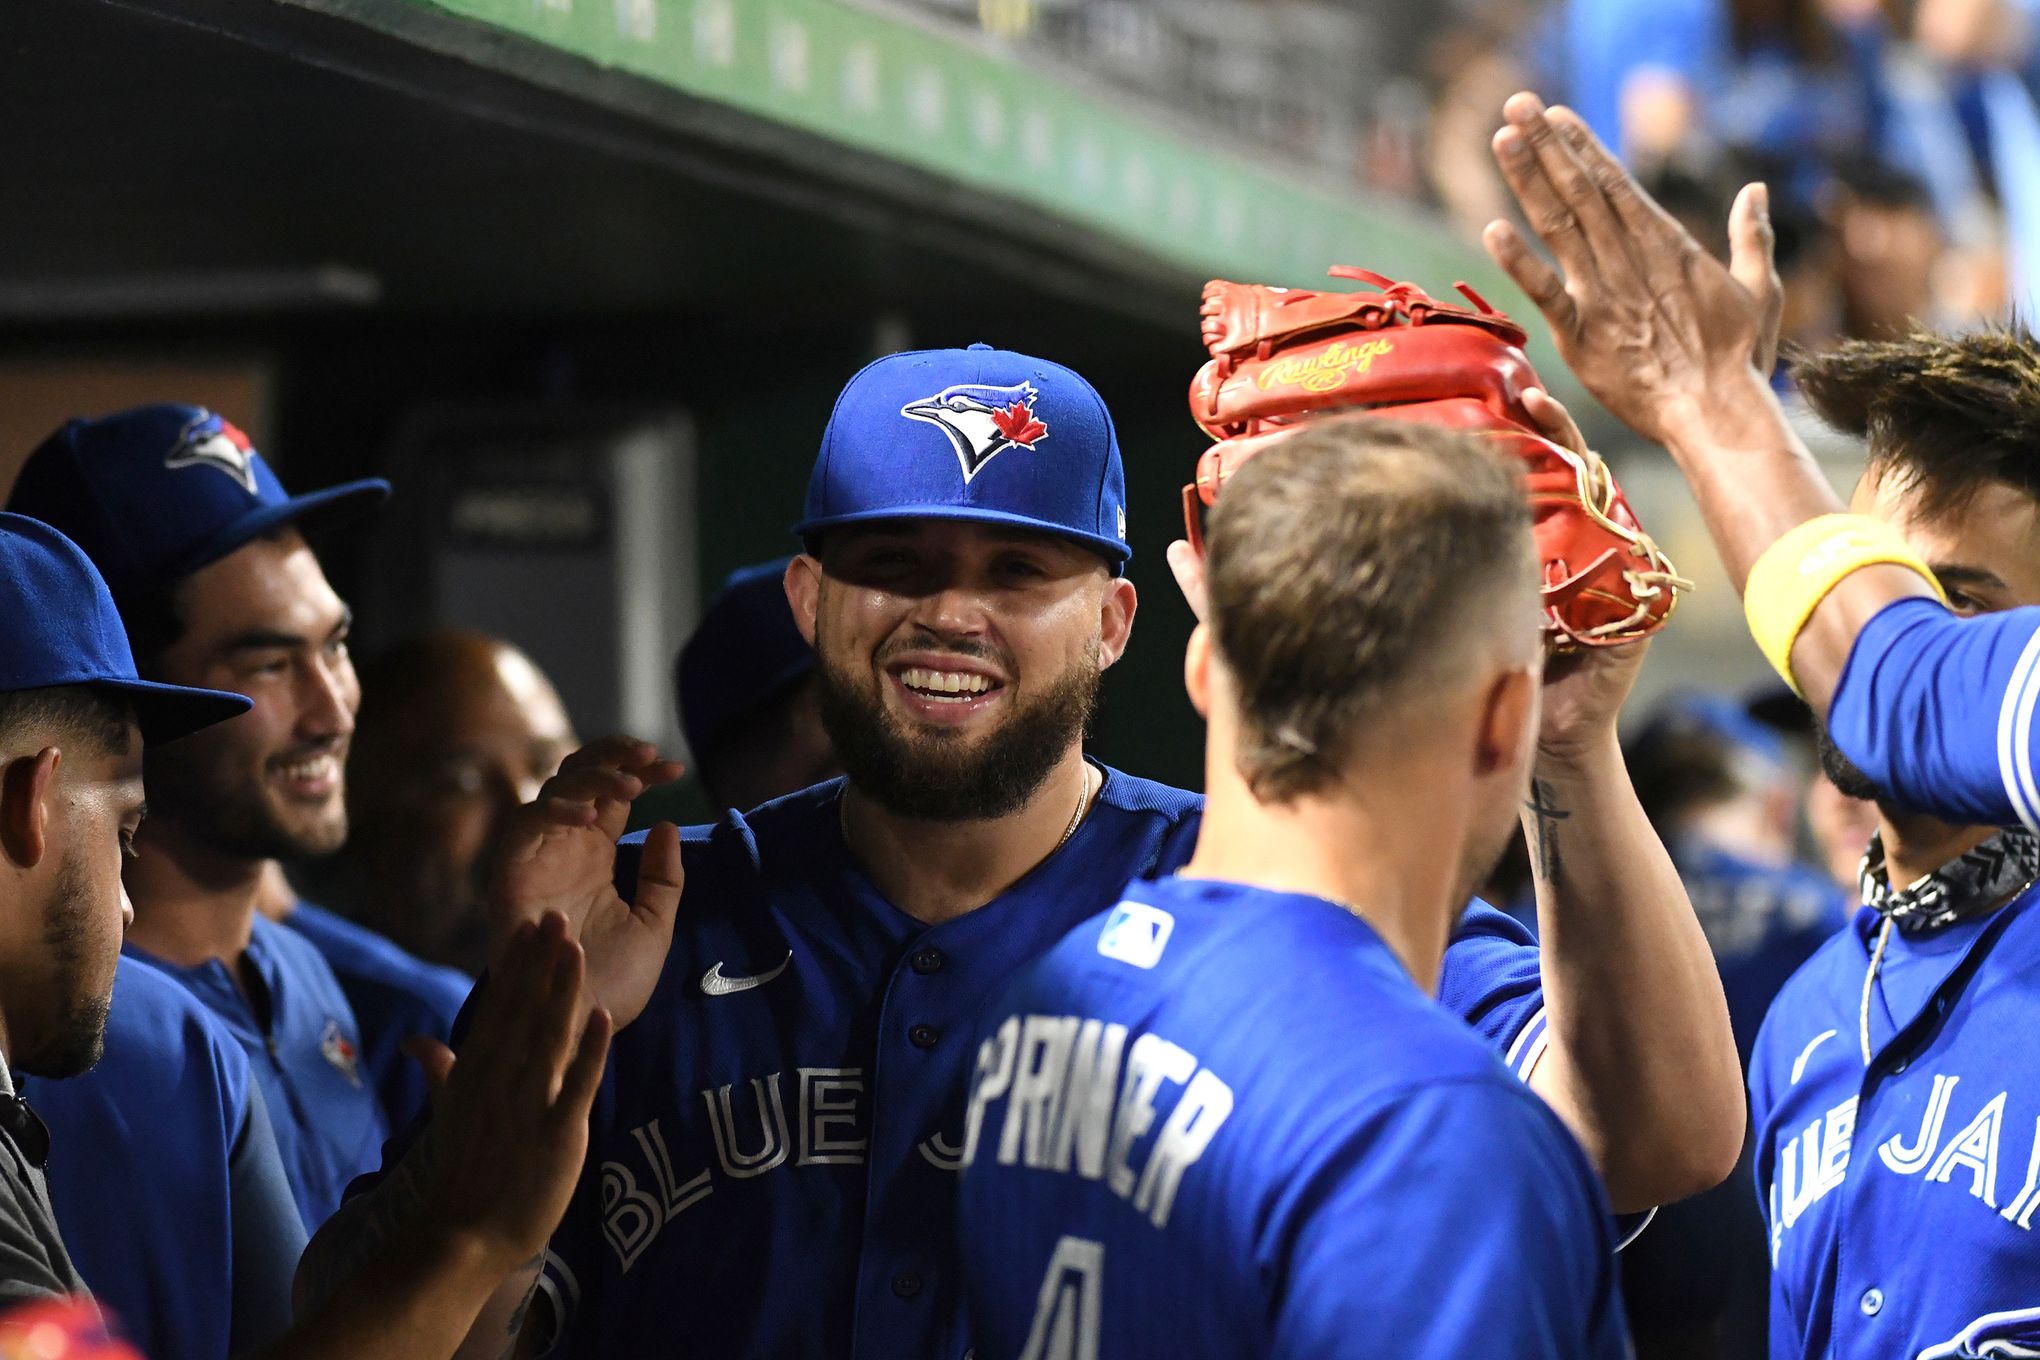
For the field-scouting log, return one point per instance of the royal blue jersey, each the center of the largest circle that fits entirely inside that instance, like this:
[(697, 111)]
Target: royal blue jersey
[(1938, 711), (395, 995), (1218, 1120), (143, 1176), (1761, 921), (1901, 1194), (774, 1150), (304, 1048)]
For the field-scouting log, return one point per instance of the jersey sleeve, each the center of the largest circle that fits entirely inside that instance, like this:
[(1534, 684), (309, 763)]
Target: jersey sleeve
[(1938, 711), (268, 1236), (1490, 979), (1459, 1220)]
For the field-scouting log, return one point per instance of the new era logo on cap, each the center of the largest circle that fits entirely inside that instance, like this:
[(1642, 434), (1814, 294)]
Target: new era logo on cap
[(981, 422), (208, 440), (979, 434)]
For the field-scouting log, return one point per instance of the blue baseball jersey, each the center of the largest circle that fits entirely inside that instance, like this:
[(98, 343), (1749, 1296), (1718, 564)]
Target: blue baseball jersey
[(1932, 1146), (142, 1174), (1762, 922), (1218, 1120), (1939, 711), (773, 1156), (304, 1049), (395, 995)]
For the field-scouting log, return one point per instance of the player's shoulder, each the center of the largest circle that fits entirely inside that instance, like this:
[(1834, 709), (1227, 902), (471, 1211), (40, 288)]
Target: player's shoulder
[(1207, 954), (164, 1052), (357, 953)]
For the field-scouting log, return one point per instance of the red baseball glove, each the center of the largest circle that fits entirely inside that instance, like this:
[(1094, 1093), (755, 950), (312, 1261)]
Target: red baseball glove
[(1280, 355)]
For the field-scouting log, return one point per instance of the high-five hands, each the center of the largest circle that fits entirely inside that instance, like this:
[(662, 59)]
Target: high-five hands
[(560, 856), (511, 1124), (1651, 323)]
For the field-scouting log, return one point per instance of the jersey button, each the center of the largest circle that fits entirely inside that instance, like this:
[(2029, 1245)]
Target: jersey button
[(1873, 1301), (906, 1284), (924, 1036), (928, 961)]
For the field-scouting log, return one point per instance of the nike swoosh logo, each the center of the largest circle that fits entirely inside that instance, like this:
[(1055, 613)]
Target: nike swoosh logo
[(1798, 1066), (714, 983)]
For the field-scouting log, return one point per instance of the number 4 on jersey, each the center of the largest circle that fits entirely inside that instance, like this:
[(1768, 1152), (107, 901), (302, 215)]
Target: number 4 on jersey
[(1066, 1317)]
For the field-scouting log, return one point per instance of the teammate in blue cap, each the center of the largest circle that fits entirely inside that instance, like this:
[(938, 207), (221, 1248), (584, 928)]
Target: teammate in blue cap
[(747, 695), (1898, 1129), (1225, 1117), (502, 1158), (202, 549), (775, 1151)]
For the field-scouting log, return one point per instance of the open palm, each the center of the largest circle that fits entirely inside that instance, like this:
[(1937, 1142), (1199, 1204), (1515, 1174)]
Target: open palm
[(560, 856)]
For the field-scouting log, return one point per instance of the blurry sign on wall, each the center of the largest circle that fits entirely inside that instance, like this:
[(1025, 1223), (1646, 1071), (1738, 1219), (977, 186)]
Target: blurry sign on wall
[(571, 533)]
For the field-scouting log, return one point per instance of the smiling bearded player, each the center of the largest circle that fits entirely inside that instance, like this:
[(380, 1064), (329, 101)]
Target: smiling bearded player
[(774, 1156)]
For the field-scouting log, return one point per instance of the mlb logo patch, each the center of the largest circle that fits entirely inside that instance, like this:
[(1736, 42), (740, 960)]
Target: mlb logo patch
[(1136, 933)]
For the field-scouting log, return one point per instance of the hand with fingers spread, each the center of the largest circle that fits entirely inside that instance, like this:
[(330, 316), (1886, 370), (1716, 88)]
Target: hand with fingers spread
[(511, 1125), (560, 856), (1655, 327)]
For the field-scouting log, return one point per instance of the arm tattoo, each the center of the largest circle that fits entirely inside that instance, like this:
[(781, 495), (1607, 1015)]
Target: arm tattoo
[(516, 1328), (353, 1238), (1547, 813)]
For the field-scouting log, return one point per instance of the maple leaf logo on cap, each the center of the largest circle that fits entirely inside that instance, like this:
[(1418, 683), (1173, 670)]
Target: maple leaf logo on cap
[(980, 421), (215, 442)]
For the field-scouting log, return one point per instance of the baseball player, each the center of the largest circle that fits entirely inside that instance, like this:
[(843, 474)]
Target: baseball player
[(1889, 1083), (777, 1141), (208, 1233), (513, 1124), (1225, 1117), (200, 545)]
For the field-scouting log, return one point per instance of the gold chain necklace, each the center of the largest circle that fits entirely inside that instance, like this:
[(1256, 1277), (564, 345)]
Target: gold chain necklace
[(1084, 795)]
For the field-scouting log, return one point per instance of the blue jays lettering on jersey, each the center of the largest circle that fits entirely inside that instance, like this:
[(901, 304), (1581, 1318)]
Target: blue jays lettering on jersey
[(395, 995), (774, 1150), (1217, 1120), (140, 1173), (1762, 922), (1934, 1146), (1939, 711), (329, 1125)]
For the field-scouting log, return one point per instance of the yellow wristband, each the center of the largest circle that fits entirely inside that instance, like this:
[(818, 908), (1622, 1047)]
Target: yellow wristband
[(1796, 573)]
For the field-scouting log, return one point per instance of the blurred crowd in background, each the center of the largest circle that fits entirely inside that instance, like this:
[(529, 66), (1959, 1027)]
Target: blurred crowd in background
[(1899, 136)]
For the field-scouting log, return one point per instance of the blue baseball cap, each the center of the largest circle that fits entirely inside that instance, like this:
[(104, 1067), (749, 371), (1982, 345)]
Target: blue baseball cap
[(746, 652), (59, 627), (977, 434), (155, 493)]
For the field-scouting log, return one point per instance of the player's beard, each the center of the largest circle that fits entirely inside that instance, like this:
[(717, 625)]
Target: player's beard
[(1839, 769), (77, 1033), (205, 787), (946, 776)]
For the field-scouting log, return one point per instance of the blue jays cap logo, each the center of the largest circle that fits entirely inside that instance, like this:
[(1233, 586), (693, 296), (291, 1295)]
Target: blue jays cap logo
[(212, 441), (981, 422)]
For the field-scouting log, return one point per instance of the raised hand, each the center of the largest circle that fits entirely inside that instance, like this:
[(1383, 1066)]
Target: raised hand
[(559, 855), (1651, 323), (510, 1129)]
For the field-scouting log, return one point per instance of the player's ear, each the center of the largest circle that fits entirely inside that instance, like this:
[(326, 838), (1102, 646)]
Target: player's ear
[(28, 796), (1115, 619), (1197, 670), (1507, 726), (804, 593)]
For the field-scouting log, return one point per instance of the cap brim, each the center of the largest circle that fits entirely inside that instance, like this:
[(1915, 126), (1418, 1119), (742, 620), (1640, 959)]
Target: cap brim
[(1113, 548), (312, 512), (167, 712)]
